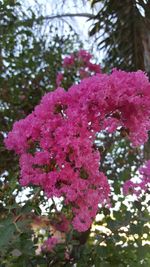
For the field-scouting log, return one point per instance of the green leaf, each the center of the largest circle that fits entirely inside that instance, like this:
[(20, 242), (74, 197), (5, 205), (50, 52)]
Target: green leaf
[(7, 230)]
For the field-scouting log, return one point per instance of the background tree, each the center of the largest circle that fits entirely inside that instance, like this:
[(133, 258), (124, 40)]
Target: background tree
[(123, 32)]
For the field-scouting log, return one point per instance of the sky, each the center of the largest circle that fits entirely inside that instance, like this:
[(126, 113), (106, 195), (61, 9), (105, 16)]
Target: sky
[(52, 7), (81, 25)]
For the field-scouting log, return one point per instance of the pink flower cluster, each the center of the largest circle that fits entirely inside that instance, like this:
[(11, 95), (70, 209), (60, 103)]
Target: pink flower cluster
[(49, 244), (56, 141), (80, 60), (142, 185), (69, 61)]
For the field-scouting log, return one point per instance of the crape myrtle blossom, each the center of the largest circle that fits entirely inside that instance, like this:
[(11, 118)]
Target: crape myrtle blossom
[(69, 61), (143, 185), (55, 142), (59, 79), (49, 244), (78, 63)]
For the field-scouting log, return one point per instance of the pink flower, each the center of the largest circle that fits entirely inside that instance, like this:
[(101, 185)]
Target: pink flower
[(142, 185), (84, 55), (68, 61), (59, 79), (128, 188), (55, 142), (83, 73), (94, 67), (50, 244)]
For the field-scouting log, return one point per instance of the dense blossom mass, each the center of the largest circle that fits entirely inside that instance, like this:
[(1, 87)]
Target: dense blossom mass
[(56, 141)]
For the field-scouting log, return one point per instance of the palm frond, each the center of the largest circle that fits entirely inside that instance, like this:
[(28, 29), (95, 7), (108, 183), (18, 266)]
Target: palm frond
[(122, 26)]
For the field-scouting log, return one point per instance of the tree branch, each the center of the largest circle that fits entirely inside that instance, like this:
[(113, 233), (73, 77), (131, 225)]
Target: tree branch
[(85, 15), (57, 16)]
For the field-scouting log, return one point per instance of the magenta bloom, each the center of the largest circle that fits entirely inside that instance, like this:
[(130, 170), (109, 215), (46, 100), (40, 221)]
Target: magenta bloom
[(59, 79), (84, 55), (49, 244), (142, 185), (55, 142), (69, 61)]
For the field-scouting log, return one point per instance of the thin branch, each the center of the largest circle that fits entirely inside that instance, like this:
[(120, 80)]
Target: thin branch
[(59, 16), (85, 15), (27, 21)]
